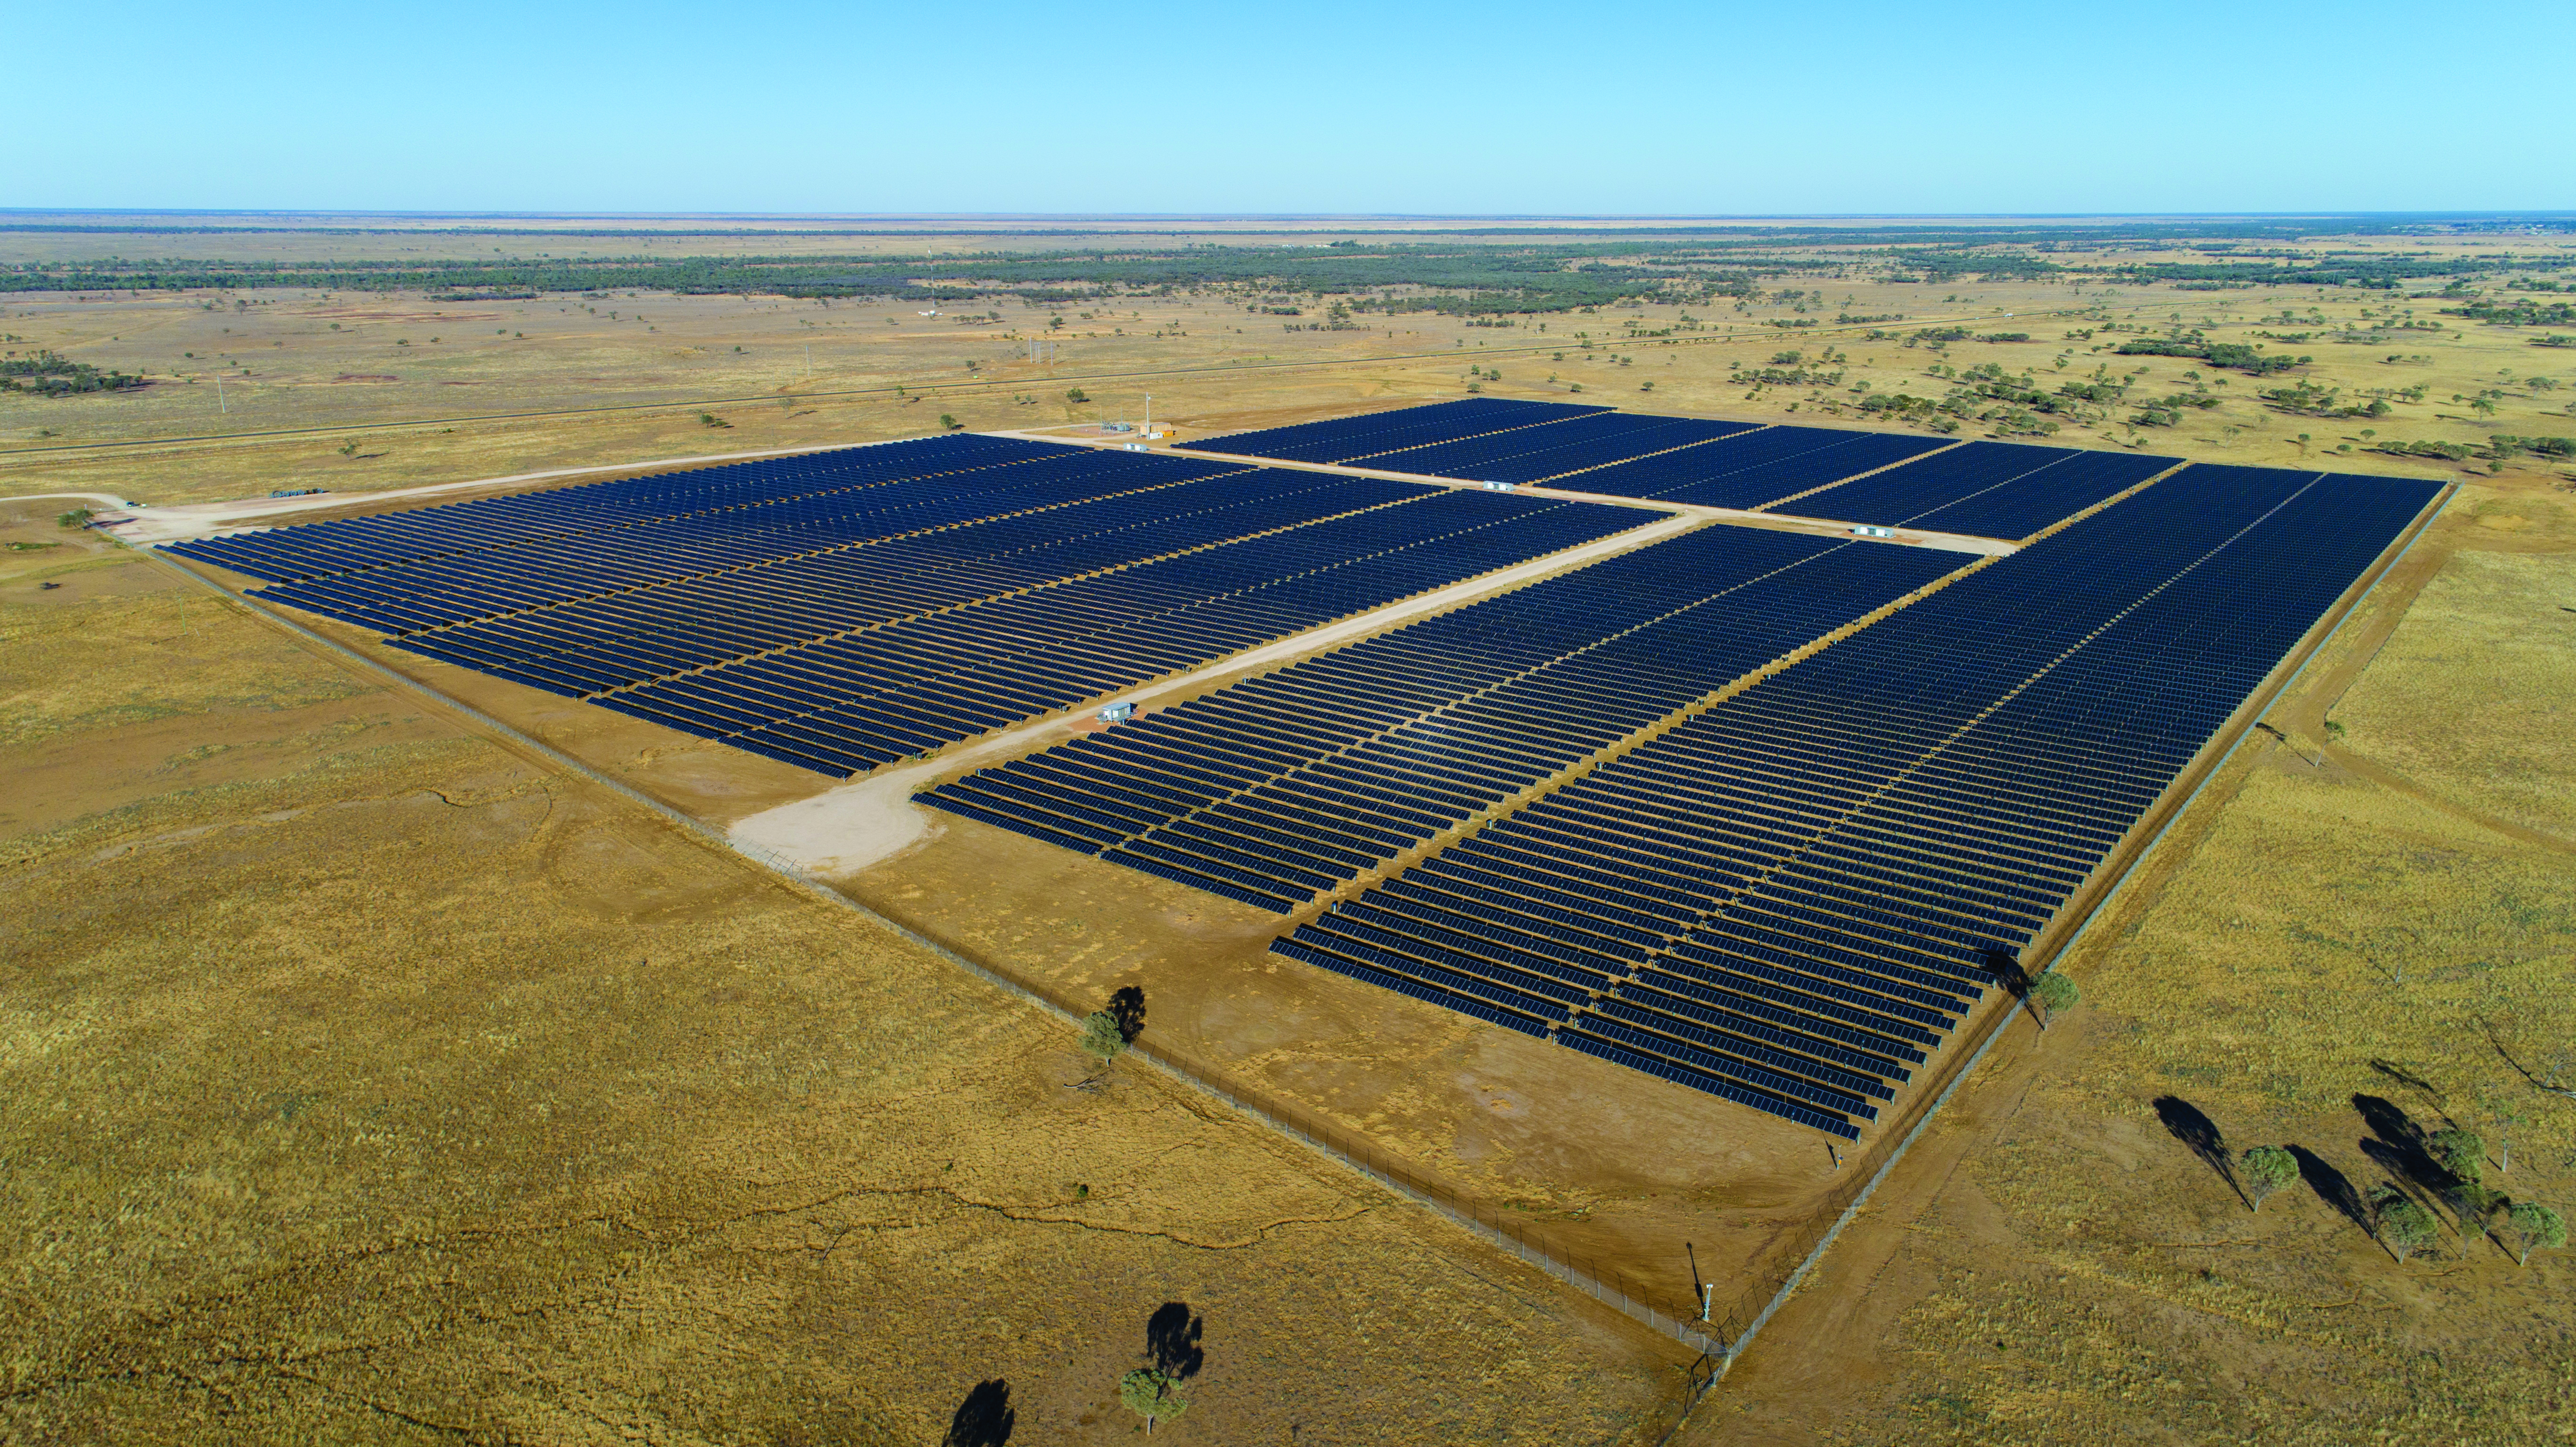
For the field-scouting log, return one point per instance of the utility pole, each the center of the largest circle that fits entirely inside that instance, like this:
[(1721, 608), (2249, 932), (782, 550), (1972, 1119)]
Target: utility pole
[(220, 405)]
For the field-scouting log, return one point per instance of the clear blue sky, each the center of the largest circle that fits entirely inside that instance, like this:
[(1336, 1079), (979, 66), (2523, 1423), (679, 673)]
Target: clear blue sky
[(1698, 108)]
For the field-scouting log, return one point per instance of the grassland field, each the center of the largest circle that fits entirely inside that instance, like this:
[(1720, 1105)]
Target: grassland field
[(375, 1080)]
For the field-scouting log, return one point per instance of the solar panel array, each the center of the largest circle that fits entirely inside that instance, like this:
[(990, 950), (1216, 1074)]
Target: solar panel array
[(1790, 899), (1985, 489), (842, 610), (1295, 781)]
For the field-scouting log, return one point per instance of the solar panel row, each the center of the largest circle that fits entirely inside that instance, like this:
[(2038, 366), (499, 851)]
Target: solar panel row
[(845, 705), (840, 611), (1296, 781), (1791, 899), (355, 544), (1529, 454), (412, 596), (662, 628), (1986, 489), (1983, 488), (1752, 469), (1340, 439)]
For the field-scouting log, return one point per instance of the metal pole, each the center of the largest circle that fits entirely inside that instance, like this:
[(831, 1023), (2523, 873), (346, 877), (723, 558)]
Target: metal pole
[(219, 395)]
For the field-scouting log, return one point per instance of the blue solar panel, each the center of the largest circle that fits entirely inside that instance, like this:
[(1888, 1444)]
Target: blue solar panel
[(1341, 439), (846, 610), (1988, 489)]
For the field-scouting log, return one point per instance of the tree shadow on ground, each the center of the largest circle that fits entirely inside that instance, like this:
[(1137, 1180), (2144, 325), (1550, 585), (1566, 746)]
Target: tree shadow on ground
[(2186, 1123), (985, 1418), (1127, 1007), (2399, 1145), (2006, 967), (1172, 1341), (2332, 1186)]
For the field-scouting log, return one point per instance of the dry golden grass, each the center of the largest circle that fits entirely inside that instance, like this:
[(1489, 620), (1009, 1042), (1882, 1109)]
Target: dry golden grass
[(369, 1084), (1207, 363), (2502, 626), (2314, 957)]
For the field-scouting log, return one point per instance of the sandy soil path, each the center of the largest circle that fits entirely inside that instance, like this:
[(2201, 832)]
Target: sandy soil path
[(111, 499)]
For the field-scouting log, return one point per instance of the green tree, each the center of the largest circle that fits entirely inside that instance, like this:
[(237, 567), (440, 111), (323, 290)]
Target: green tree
[(77, 517), (2405, 1227), (2462, 1152), (2053, 992), (1151, 1395), (2265, 1169), (2537, 1227), (1102, 1037), (949, 421), (1074, 395)]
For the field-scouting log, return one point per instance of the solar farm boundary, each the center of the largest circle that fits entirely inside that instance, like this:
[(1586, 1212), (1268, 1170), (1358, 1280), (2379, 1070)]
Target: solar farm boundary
[(2111, 882), (1721, 1347), (1284, 1120), (950, 389)]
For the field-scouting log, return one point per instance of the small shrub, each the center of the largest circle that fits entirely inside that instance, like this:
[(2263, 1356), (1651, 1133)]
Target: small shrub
[(949, 421)]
